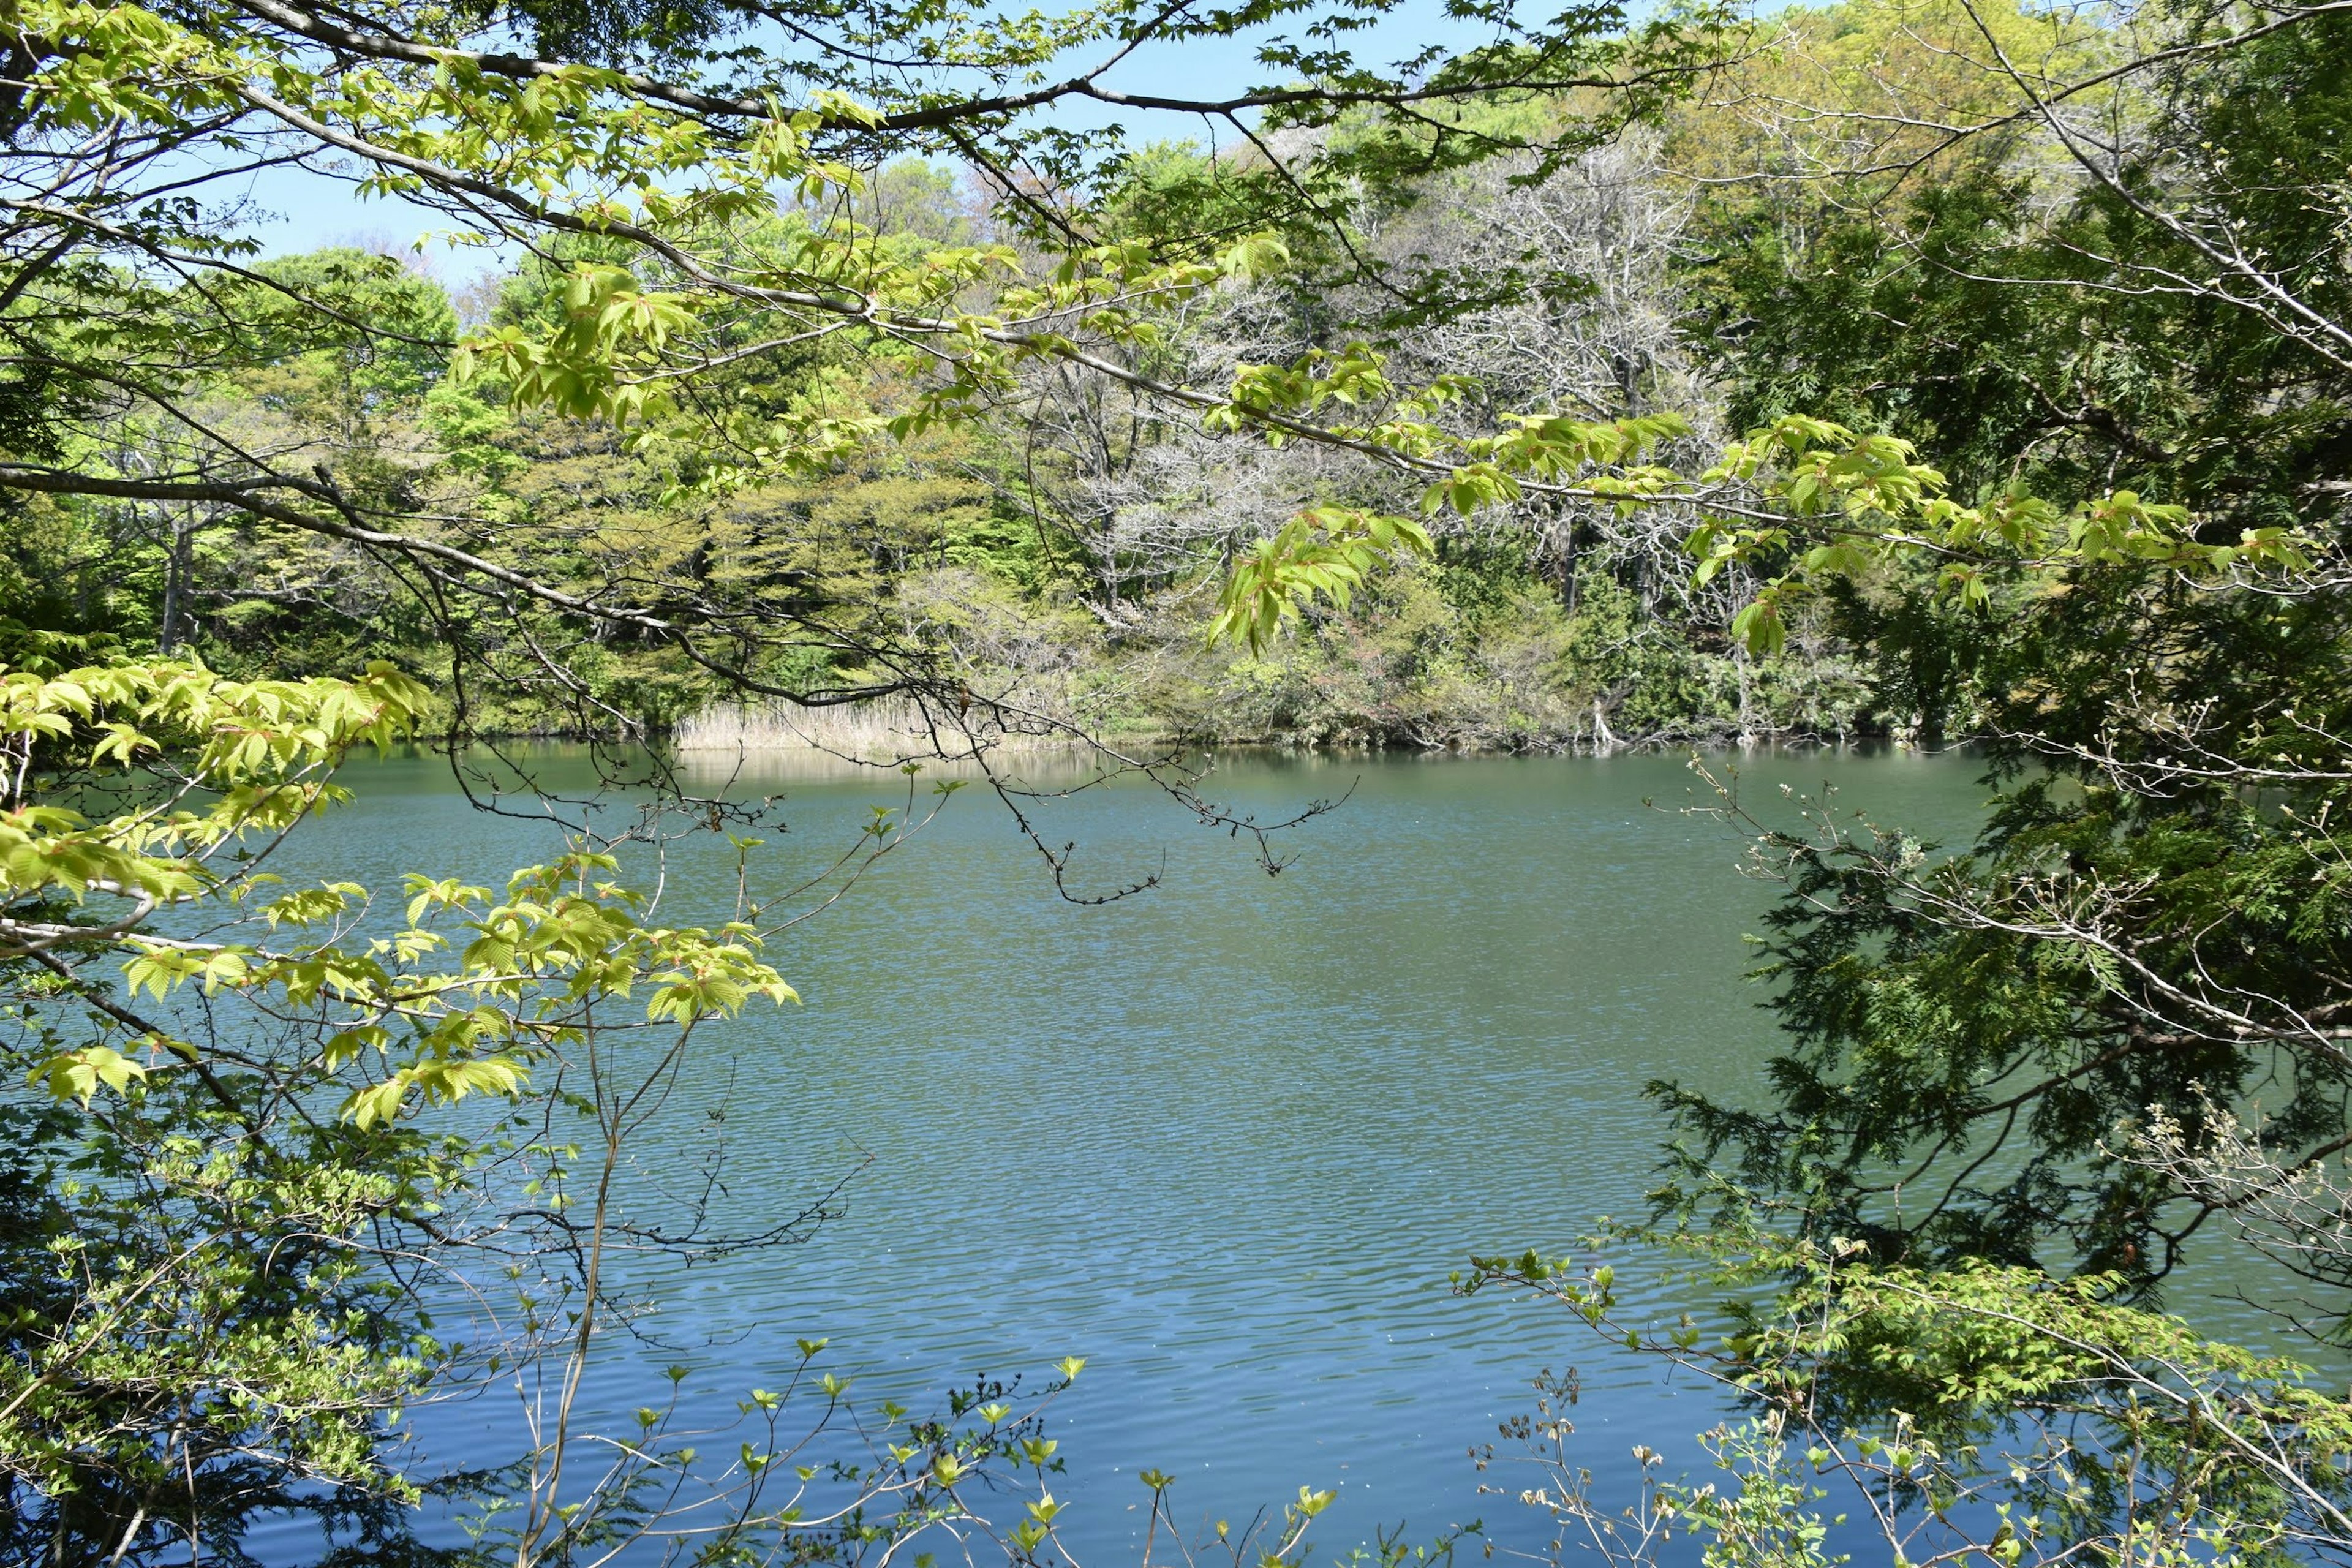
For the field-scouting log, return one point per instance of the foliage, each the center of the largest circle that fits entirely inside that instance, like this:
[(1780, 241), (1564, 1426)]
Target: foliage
[(2019, 1080), (735, 269), (2150, 922), (229, 1214), (246, 1235), (1964, 1413), (194, 1336), (772, 413)]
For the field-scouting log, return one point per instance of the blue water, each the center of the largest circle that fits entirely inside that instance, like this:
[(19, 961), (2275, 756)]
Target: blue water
[(1225, 1139)]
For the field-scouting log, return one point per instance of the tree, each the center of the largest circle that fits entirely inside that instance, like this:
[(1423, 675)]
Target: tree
[(1966, 1414), (2023, 1079), (706, 266), (693, 185), (2152, 920), (234, 1202), (231, 1238)]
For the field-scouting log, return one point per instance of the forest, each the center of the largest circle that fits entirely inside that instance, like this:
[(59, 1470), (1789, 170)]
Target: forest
[(941, 386)]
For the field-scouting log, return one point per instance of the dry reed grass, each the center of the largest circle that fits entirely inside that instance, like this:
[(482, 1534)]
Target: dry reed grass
[(890, 725), (885, 729)]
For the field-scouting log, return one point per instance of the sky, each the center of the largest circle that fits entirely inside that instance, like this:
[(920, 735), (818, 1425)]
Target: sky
[(308, 211)]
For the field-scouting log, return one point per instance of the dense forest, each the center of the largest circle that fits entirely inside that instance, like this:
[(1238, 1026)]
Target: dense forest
[(1945, 370), (1064, 551), (1061, 550)]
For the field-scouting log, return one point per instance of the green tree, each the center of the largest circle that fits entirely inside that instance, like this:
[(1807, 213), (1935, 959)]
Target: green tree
[(1977, 1413), (2154, 917), (226, 1208), (230, 1228)]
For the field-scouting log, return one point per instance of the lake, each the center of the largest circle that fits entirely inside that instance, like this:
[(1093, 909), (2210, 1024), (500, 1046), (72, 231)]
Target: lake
[(1225, 1139)]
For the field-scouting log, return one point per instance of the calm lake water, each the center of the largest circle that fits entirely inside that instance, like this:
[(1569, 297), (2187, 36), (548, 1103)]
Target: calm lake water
[(1223, 1140)]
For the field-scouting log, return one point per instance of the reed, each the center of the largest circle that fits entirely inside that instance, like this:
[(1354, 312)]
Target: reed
[(887, 725)]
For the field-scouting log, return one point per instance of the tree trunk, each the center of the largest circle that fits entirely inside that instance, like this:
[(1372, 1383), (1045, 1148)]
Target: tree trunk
[(175, 577)]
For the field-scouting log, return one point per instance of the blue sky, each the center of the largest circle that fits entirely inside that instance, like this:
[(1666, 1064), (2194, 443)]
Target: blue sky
[(308, 211)]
